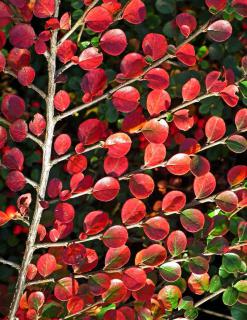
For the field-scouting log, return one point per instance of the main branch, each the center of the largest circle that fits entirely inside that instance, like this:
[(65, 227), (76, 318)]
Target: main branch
[(46, 165)]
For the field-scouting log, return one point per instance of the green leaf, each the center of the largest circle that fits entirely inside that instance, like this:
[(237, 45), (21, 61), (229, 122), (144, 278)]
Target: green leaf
[(103, 310), (84, 44), (243, 87), (231, 262), (239, 312), (95, 41), (52, 310), (191, 313), (185, 303), (166, 6), (215, 284), (241, 286), (230, 296)]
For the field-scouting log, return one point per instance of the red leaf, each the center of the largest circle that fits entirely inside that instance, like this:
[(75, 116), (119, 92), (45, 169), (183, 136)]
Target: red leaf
[(106, 189), (76, 163), (22, 36), (156, 131), (61, 100), (213, 84), (229, 95), (46, 264), (237, 174), (198, 265), (66, 288), (4, 218), (135, 12), (134, 278), (182, 120), (62, 144), (241, 119), (186, 23), (176, 242), (144, 294), (113, 42), (191, 89), (116, 293), (65, 21), (152, 256), (95, 222), (132, 65), (157, 78), (199, 166), (15, 181), (64, 212), (141, 185), (192, 220), (54, 188), (26, 76), (215, 129), (114, 315), (99, 283), (154, 45), (13, 159), (169, 296), (6, 14), (75, 181), (198, 283), (89, 263), (44, 8), (240, 6), (173, 201), (93, 84), (66, 51), (158, 101), (90, 58), (2, 62), (98, 19), (220, 30), (216, 4), (156, 228), (116, 258), (227, 201), (186, 54), (115, 237), (31, 271), (75, 305), (115, 167), (205, 185), (74, 254), (179, 164), (90, 131), (154, 154), (36, 300), (2, 39), (126, 99), (118, 145), (18, 130), (133, 211), (37, 125), (12, 107), (3, 137)]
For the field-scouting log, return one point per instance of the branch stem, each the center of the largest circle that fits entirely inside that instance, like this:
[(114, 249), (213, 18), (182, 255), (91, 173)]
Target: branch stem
[(21, 282)]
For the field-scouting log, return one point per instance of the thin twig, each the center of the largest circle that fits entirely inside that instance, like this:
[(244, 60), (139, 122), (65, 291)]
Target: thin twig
[(29, 135), (79, 22), (215, 314), (31, 86), (10, 263)]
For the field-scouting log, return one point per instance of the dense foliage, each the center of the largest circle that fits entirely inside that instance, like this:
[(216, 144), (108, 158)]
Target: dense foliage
[(122, 170)]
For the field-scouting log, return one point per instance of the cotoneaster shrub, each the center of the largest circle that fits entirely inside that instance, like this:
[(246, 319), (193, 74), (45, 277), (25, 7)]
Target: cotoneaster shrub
[(122, 158)]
